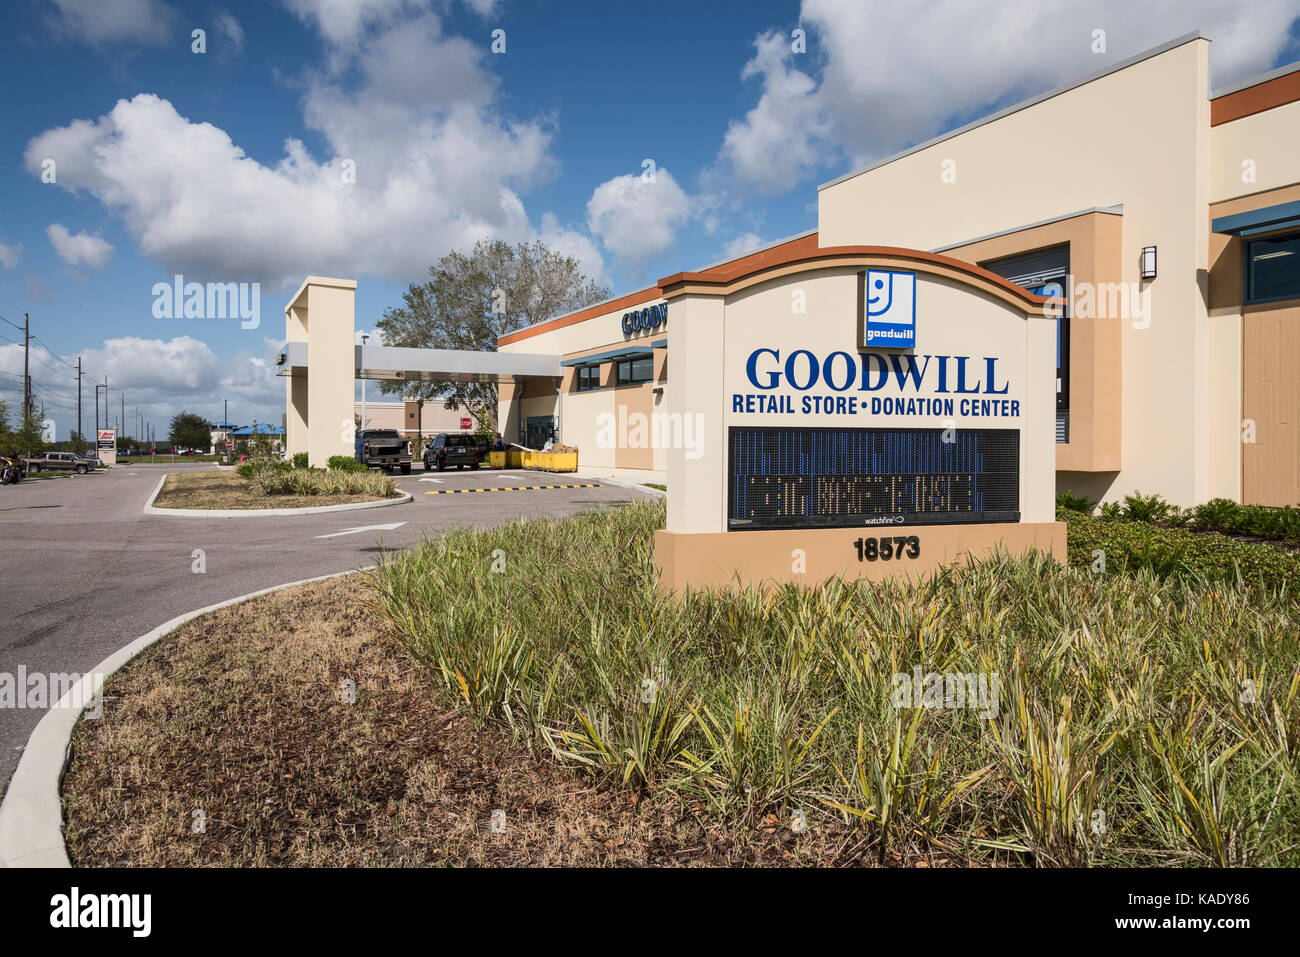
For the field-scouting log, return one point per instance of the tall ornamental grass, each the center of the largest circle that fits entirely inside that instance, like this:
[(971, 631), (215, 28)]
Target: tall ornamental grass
[(323, 482), (1135, 719)]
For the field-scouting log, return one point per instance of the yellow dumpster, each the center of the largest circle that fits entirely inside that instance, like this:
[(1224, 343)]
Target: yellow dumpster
[(551, 461)]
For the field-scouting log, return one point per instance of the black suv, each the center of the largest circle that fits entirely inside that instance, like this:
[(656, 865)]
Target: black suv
[(461, 450)]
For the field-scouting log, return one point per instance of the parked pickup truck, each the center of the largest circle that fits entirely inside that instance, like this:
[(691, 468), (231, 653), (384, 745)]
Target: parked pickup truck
[(61, 461), (383, 448)]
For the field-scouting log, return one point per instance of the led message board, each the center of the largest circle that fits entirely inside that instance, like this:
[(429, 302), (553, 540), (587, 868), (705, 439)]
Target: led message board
[(799, 477)]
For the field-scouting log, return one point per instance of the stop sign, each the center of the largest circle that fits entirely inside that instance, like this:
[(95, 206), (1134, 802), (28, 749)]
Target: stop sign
[(466, 422)]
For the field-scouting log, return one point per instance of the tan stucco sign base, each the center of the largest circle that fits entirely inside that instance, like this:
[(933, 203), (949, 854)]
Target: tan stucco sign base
[(811, 556)]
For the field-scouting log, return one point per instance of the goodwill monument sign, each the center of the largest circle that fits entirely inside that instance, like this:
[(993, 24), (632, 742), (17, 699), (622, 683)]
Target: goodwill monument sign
[(904, 420)]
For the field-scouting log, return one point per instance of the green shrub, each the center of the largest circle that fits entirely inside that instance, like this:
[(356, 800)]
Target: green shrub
[(346, 463), (1217, 515), (1112, 510), (300, 460), (1075, 503), (1133, 546), (1225, 515), (1146, 508)]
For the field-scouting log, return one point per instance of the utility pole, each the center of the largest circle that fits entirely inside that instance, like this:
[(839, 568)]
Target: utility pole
[(27, 379), (81, 435), (121, 423)]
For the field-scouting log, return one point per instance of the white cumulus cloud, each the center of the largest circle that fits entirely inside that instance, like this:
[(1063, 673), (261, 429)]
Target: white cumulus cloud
[(160, 377), (78, 249), (744, 243), (419, 160), (636, 218), (879, 76)]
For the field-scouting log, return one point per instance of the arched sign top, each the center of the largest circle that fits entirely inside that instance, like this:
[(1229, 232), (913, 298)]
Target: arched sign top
[(805, 255)]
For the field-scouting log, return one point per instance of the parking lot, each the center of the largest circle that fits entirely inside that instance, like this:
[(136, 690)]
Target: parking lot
[(85, 571)]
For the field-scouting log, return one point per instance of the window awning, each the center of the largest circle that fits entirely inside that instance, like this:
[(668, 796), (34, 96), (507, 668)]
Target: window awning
[(659, 344), (1255, 221), (598, 358)]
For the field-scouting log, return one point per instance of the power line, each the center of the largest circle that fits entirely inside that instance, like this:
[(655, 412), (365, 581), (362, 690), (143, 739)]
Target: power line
[(53, 352)]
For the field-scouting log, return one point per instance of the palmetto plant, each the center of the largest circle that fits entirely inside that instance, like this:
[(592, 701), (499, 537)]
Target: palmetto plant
[(1139, 718)]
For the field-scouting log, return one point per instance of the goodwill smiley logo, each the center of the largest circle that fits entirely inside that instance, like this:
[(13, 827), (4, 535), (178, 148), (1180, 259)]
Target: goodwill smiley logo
[(890, 319)]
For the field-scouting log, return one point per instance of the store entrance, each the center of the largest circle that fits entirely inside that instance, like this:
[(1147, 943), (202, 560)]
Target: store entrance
[(538, 430)]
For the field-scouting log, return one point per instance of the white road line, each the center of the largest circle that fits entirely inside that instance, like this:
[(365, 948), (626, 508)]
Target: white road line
[(363, 528)]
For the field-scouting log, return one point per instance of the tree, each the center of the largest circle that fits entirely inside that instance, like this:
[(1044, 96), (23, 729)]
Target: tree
[(28, 439), (471, 300), (189, 430)]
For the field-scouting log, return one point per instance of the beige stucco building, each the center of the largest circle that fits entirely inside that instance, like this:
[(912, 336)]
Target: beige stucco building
[(1162, 217)]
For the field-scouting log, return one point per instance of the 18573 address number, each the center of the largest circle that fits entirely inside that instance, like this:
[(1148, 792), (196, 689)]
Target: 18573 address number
[(887, 548)]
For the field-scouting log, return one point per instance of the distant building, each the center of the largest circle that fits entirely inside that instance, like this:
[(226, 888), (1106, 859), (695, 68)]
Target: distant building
[(410, 419)]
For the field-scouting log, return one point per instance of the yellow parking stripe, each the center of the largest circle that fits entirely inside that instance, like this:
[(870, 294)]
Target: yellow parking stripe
[(512, 488)]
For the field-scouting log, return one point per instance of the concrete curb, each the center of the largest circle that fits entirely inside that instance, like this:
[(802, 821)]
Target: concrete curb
[(621, 483), (31, 817), (151, 509)]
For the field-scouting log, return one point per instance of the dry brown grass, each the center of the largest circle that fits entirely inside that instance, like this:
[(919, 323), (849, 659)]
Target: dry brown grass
[(230, 490), (240, 715)]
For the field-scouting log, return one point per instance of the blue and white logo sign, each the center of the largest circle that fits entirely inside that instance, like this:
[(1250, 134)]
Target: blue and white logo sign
[(890, 319)]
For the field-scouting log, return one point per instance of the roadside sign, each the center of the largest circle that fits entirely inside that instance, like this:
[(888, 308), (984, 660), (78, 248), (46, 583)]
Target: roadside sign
[(466, 422), (106, 442), (229, 444)]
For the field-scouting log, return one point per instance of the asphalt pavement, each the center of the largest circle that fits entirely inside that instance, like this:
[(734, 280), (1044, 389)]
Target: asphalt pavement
[(83, 571)]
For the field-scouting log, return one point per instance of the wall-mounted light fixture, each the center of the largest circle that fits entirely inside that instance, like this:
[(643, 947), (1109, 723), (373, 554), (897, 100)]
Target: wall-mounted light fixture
[(1148, 262)]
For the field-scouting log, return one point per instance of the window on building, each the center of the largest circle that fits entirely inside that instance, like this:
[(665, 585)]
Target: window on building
[(1273, 268), (588, 378), (1043, 272), (640, 369)]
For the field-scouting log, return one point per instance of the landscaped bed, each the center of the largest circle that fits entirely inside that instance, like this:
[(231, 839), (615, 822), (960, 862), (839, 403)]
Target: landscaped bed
[(223, 489), (241, 716), (1146, 716)]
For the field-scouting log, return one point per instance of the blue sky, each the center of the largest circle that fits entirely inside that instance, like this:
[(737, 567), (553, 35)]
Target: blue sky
[(228, 166)]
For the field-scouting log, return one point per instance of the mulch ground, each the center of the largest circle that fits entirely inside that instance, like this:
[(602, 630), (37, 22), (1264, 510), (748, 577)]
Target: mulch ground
[(230, 743)]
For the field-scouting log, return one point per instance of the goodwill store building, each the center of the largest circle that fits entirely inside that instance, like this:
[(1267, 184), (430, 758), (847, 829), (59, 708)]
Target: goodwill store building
[(908, 339)]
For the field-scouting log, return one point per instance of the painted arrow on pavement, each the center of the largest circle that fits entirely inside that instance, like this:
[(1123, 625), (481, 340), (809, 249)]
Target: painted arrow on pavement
[(364, 528), (439, 481)]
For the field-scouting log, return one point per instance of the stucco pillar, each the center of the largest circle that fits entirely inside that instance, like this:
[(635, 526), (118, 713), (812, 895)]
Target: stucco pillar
[(697, 484), (1038, 437), (319, 411)]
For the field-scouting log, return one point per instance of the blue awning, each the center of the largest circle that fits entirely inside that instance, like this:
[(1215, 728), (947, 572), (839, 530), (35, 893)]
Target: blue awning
[(600, 357), (659, 344), (1253, 221)]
